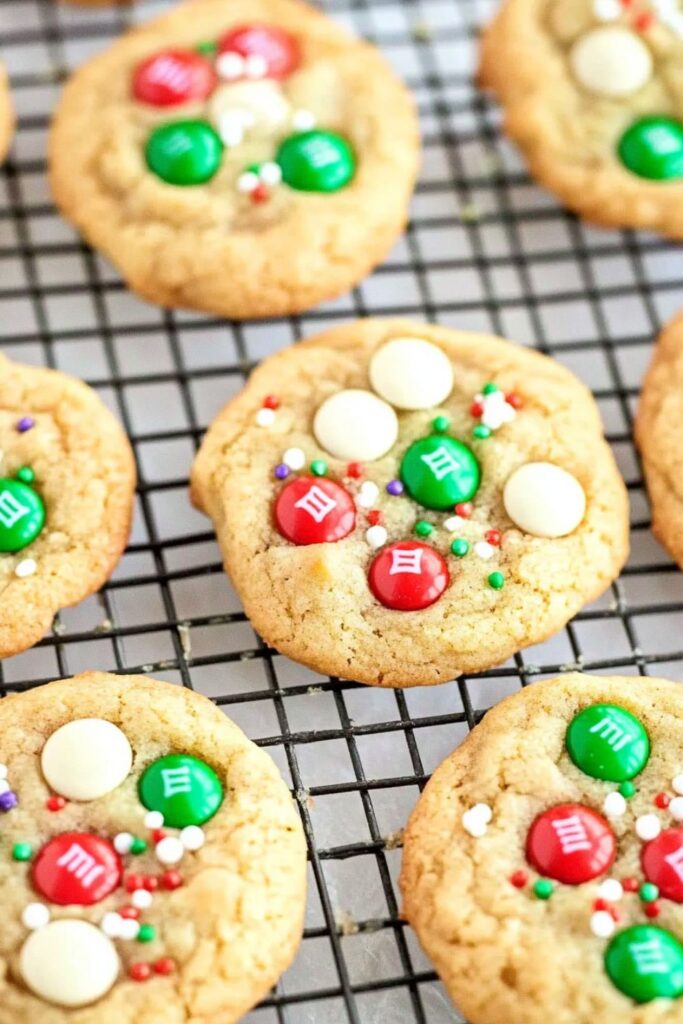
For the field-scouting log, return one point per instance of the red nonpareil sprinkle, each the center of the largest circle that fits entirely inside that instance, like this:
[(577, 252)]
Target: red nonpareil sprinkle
[(643, 21), (519, 879), (150, 883), (260, 194), (374, 517), (630, 884), (354, 469), (600, 904), (652, 909), (134, 882), (130, 913), (662, 800), (493, 537), (55, 803), (614, 913), (515, 400), (271, 402), (477, 410), (140, 972), (164, 966), (464, 509), (157, 835), (171, 880)]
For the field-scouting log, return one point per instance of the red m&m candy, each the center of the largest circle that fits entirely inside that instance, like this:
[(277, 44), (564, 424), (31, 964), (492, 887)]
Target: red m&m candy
[(570, 843), (77, 868), (278, 49), (662, 861), (408, 576), (314, 510), (172, 77)]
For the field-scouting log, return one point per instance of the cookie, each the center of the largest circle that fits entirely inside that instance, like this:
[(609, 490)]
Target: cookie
[(246, 158), (152, 860), (543, 865), (6, 114), (592, 92), (399, 503), (659, 428), (67, 483)]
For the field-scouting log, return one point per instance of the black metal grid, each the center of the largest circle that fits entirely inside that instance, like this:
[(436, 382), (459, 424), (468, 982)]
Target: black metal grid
[(485, 249)]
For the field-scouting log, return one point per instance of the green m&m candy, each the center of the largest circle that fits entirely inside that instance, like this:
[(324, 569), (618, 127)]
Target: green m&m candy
[(653, 148), (645, 962), (439, 472), (316, 161), (184, 152), (186, 790), (607, 742), (22, 514)]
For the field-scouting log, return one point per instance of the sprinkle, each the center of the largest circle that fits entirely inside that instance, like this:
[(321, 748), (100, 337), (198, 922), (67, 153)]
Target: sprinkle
[(490, 388), (630, 884), (318, 467), (146, 933), (164, 966), (602, 924), (543, 889), (460, 547), (453, 523), (55, 803), (375, 517), (170, 850), (154, 819), (662, 800), (111, 925), (129, 929), (271, 402), (207, 48), (140, 972), (611, 890), (35, 915), (259, 194), (24, 424), (627, 790), (281, 471), (493, 537), (614, 805), (26, 567), (606, 10), (354, 470), (395, 488), (150, 882), (8, 801), (22, 851), (255, 66), (676, 808), (464, 509), (648, 892), (270, 174), (4, 786), (25, 474), (134, 882), (477, 408), (677, 784), (376, 537), (643, 21), (496, 581), (519, 879), (123, 842), (515, 400), (265, 418), (139, 846), (475, 820), (652, 909), (131, 913), (484, 550), (3, 771), (248, 181), (648, 826), (368, 494), (423, 528), (441, 424), (303, 121), (141, 899), (192, 837), (481, 432), (171, 880), (230, 65), (294, 458)]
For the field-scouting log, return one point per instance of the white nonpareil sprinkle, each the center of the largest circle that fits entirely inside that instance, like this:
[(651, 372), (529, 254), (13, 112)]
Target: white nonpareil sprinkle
[(4, 786), (607, 10), (170, 850), (247, 182), (128, 929), (230, 66), (123, 842), (484, 550), (255, 66), (648, 826), (614, 805), (676, 808), (611, 890), (26, 568), (476, 819), (270, 173), (602, 924), (376, 536), (677, 784), (303, 121), (368, 494), (482, 811), (154, 820), (35, 915), (142, 899), (192, 837), (3, 771), (453, 523), (265, 417), (294, 458), (111, 925)]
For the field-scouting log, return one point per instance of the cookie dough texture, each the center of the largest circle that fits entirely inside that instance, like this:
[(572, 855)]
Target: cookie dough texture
[(208, 247), (659, 429), (503, 955), (6, 114), (313, 603), (236, 923), (569, 135), (85, 474)]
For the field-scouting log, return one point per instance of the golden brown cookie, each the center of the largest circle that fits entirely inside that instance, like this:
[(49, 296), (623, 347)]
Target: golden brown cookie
[(67, 482), (398, 503), (592, 92), (542, 868), (659, 427), (6, 114), (247, 158), (153, 865)]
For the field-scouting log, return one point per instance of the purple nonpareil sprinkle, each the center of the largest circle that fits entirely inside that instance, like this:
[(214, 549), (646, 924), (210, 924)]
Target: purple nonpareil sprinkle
[(25, 423), (8, 800), (395, 487), (281, 471)]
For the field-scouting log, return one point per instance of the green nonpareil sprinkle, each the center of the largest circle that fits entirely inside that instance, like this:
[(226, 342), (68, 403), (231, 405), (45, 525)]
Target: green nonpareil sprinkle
[(649, 892), (481, 432), (208, 48), (488, 389), (26, 475), (147, 933), (627, 790), (318, 467), (138, 846), (423, 528), (22, 851), (497, 580), (460, 547), (543, 889), (440, 424)]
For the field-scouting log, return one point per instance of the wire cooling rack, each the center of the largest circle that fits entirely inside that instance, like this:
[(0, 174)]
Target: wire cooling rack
[(486, 249)]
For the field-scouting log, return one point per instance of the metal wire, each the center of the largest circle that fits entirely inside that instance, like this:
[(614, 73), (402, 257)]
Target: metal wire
[(485, 249)]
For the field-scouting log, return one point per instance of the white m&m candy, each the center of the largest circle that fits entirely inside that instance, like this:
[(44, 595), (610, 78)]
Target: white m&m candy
[(355, 425), (411, 373), (544, 500), (69, 962), (86, 759), (611, 61)]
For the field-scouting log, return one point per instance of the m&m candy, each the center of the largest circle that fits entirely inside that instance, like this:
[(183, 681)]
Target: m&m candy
[(278, 50), (607, 742), (570, 843), (77, 868), (408, 576), (314, 510), (439, 472), (645, 963), (662, 860), (173, 77), (184, 789), (22, 515), (652, 147), (184, 152), (316, 161)]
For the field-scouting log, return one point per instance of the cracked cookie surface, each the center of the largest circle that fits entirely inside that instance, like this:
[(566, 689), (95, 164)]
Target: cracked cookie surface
[(66, 498), (224, 917), (592, 92), (372, 541), (246, 158)]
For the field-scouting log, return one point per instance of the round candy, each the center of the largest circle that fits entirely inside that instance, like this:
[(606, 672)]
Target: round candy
[(184, 152), (653, 148), (314, 510), (254, 108), (22, 515), (611, 61), (607, 742), (544, 500), (411, 373), (645, 962), (356, 426), (278, 48), (186, 790), (408, 576), (77, 868), (439, 472), (86, 759), (70, 963), (316, 161), (570, 843), (662, 860), (172, 77)]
